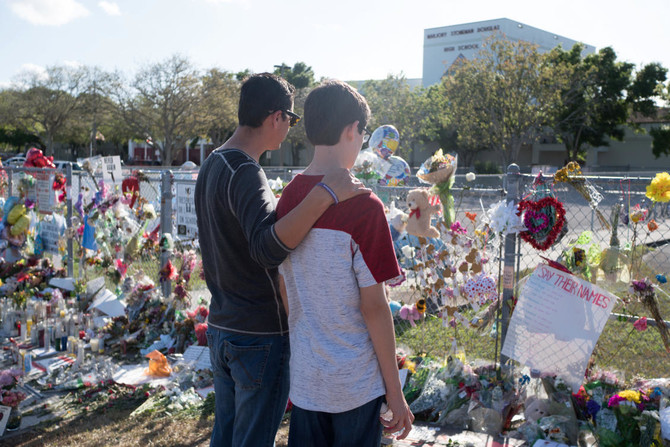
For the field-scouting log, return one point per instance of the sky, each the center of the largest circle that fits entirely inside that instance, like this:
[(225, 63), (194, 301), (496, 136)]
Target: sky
[(341, 39)]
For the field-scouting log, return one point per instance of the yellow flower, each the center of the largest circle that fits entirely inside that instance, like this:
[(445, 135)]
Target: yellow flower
[(638, 214), (659, 188), (630, 395), (410, 365)]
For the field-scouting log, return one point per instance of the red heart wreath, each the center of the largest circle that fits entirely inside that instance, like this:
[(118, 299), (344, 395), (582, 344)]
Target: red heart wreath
[(544, 220)]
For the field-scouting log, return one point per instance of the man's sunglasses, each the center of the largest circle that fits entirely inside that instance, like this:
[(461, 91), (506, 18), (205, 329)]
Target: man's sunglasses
[(294, 117)]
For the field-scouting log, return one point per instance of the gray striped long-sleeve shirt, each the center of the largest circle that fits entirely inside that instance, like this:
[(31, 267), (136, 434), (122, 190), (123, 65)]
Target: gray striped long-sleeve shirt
[(235, 208)]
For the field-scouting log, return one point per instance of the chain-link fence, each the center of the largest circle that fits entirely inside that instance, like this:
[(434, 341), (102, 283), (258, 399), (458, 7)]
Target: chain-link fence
[(613, 250), (439, 330)]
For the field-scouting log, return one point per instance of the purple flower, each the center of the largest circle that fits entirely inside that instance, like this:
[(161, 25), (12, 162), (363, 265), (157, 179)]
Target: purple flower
[(641, 285), (592, 408)]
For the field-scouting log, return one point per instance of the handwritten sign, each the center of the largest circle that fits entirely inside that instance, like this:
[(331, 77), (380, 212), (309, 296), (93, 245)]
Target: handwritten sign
[(556, 323), (111, 169), (187, 222), (43, 193), (51, 229)]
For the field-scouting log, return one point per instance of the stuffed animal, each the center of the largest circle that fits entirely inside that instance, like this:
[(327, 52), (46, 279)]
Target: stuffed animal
[(397, 221), (418, 221), (409, 313), (535, 409)]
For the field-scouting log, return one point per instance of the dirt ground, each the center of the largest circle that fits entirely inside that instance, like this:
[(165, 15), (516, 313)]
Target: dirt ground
[(116, 428)]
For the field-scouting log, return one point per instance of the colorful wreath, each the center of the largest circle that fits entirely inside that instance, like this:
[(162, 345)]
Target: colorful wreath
[(544, 219)]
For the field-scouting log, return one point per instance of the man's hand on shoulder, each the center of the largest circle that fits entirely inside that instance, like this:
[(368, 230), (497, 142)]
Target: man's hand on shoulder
[(344, 184)]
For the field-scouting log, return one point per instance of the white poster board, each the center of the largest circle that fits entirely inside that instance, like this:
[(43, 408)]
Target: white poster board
[(187, 222), (43, 193), (111, 169), (556, 324), (51, 229)]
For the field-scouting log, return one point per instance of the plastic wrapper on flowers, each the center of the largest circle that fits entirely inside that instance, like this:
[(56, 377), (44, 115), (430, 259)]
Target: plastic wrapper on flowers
[(572, 175), (369, 167), (439, 170)]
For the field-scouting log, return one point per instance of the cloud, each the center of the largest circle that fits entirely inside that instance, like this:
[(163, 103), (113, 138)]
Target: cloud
[(72, 64), (49, 12), (111, 8), (38, 70), (219, 2)]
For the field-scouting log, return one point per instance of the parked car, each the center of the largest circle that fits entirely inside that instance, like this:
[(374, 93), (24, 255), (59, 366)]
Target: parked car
[(61, 165), (16, 162)]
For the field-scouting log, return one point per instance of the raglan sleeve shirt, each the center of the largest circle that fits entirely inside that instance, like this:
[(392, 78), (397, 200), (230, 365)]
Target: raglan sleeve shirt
[(374, 258)]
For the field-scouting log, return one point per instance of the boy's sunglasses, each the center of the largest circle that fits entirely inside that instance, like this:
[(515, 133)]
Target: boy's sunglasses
[(366, 134)]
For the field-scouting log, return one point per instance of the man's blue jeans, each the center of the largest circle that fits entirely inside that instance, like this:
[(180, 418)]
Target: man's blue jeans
[(251, 383), (359, 427)]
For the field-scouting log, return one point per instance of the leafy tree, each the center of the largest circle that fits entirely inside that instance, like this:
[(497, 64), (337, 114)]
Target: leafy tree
[(242, 75), (646, 85), (392, 101), (220, 93), (18, 139), (660, 143), (300, 76), (43, 104), (501, 99), (97, 106), (438, 125), (163, 104), (599, 97), (661, 135), (296, 137)]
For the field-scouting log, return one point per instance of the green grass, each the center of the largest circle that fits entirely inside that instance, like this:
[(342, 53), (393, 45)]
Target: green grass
[(620, 348)]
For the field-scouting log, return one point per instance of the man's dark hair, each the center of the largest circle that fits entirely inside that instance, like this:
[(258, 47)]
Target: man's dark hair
[(330, 108), (262, 94)]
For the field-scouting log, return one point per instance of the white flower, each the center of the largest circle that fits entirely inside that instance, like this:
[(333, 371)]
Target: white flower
[(276, 185), (470, 177), (408, 251), (502, 218)]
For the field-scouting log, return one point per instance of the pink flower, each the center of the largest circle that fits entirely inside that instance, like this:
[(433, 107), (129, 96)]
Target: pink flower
[(641, 324), (457, 228), (121, 267)]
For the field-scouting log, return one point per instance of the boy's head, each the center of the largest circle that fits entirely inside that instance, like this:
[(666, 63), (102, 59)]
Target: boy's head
[(330, 108), (261, 95)]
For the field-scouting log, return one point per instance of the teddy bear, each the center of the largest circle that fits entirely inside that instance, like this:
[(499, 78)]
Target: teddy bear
[(418, 221), (535, 409), (397, 221)]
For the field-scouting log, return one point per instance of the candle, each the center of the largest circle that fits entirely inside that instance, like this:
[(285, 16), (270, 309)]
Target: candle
[(95, 345)]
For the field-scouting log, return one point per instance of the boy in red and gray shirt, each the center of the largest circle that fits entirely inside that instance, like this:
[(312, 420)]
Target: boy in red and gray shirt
[(343, 363)]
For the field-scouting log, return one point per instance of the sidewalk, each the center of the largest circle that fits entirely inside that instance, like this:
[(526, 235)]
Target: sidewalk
[(427, 435)]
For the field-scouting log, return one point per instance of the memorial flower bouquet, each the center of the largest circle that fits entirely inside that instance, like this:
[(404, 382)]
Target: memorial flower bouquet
[(572, 175), (10, 397), (644, 292), (439, 171)]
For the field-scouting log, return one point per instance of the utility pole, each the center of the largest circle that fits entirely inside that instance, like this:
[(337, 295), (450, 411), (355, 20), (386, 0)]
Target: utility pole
[(281, 68)]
